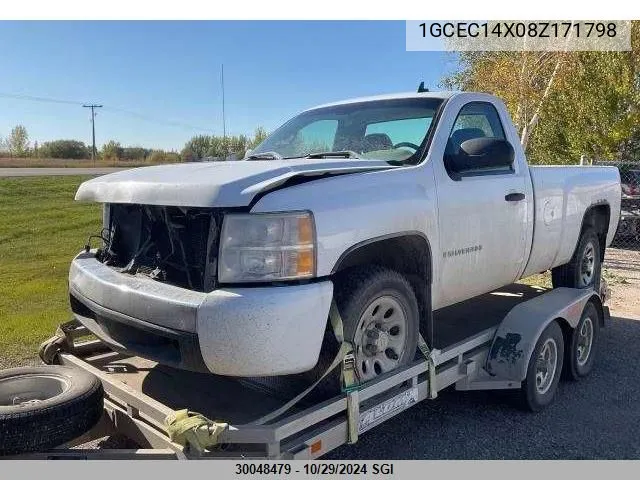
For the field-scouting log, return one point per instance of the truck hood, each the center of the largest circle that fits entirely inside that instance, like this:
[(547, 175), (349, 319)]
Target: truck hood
[(212, 184)]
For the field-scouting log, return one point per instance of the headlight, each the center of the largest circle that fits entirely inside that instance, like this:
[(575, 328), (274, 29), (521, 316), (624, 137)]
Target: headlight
[(267, 247)]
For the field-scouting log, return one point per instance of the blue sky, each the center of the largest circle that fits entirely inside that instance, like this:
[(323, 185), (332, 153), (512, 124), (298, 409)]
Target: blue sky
[(169, 72)]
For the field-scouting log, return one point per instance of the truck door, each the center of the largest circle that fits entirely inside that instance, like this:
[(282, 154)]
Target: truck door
[(482, 212)]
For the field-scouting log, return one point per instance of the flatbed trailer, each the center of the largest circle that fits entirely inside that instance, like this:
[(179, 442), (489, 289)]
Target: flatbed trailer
[(483, 344)]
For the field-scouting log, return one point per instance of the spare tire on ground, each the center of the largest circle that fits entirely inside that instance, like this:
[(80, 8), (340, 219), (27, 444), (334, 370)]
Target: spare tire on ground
[(45, 406)]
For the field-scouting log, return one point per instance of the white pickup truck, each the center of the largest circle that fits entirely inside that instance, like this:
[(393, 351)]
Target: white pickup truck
[(396, 206)]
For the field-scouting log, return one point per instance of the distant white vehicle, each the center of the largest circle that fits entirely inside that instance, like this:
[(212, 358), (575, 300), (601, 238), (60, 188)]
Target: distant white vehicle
[(394, 206)]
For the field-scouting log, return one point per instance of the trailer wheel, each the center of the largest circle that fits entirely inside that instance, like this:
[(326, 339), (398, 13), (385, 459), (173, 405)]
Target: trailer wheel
[(581, 346), (45, 406), (544, 369), (583, 269)]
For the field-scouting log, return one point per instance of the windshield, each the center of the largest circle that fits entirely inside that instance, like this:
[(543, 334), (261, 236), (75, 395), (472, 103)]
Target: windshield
[(390, 130)]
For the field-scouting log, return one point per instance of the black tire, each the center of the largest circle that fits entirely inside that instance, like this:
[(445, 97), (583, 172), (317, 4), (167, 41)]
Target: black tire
[(354, 290), (532, 399), (574, 366), (569, 274), (45, 406)]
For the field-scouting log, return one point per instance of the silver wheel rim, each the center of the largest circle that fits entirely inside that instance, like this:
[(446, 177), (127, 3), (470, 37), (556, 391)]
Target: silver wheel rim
[(380, 337), (585, 341), (546, 365), (587, 265), (26, 390)]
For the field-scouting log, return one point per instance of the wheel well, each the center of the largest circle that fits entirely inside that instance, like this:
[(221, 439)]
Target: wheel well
[(567, 329), (597, 217), (408, 254)]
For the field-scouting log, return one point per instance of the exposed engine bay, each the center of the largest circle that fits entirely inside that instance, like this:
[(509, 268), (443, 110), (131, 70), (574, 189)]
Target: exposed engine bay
[(175, 245)]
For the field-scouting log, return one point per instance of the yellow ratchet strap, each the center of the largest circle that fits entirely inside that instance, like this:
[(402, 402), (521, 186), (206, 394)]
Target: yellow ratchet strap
[(349, 377), (193, 429), (424, 349)]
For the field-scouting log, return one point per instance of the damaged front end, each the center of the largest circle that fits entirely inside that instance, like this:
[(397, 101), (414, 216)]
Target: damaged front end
[(173, 245)]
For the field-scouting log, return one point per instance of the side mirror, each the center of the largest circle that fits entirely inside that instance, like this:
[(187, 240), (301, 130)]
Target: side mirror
[(247, 153), (482, 153)]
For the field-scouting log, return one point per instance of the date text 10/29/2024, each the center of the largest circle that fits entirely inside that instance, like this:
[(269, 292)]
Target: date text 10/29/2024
[(314, 468)]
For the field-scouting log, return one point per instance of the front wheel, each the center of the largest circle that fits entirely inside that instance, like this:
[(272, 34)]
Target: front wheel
[(380, 314), (584, 268)]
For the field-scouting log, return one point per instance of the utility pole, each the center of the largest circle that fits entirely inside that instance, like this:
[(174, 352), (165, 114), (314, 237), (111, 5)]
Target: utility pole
[(224, 120), (93, 130)]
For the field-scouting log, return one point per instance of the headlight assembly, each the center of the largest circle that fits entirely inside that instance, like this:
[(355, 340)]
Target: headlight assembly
[(258, 247)]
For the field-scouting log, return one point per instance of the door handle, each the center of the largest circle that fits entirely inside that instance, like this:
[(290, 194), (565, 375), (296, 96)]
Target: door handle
[(514, 197)]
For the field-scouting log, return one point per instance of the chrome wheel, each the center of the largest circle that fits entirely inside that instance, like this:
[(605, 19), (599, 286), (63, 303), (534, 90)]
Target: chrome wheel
[(585, 341), (546, 366), (381, 336), (587, 265)]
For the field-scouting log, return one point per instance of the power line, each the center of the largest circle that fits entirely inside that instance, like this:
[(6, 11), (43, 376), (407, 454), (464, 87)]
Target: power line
[(137, 115), (147, 118), (39, 99)]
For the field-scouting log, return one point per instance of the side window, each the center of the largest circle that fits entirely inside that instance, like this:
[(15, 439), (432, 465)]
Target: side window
[(491, 155)]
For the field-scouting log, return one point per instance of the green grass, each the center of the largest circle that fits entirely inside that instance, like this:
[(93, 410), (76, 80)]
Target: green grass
[(41, 229)]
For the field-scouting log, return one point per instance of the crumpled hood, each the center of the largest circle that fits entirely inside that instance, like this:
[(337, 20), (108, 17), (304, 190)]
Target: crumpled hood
[(210, 184)]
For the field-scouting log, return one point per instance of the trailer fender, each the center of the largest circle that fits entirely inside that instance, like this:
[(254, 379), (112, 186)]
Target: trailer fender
[(516, 336)]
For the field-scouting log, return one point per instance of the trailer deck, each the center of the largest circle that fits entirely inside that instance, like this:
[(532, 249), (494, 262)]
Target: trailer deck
[(140, 394)]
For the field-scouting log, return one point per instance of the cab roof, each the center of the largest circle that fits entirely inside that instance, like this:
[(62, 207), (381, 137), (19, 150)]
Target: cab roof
[(392, 96)]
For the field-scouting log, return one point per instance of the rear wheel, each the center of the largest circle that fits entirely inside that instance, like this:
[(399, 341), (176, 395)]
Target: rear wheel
[(584, 268), (543, 372), (582, 345)]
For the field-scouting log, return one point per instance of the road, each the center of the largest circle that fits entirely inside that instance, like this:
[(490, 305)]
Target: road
[(35, 172), (598, 417)]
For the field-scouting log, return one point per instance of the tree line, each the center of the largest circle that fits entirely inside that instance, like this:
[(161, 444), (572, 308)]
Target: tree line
[(564, 104), (198, 148)]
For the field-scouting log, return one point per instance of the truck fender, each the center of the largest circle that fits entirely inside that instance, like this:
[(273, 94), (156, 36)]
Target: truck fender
[(516, 336)]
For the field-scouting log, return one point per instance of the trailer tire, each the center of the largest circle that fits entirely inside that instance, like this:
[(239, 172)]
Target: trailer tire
[(584, 268), (42, 407), (538, 389), (582, 344)]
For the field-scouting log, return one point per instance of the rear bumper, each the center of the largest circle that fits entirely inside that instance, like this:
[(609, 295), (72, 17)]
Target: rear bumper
[(258, 331)]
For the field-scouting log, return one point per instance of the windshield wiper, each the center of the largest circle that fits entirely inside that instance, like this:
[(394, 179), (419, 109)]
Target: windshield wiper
[(338, 154), (265, 156)]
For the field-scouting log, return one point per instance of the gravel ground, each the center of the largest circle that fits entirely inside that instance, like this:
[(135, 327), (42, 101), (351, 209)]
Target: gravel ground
[(623, 270)]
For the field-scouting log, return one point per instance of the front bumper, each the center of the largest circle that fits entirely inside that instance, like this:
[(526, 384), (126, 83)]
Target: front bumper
[(252, 331)]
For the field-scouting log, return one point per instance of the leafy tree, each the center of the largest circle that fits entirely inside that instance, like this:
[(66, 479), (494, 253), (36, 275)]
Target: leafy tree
[(111, 150), (19, 141), (134, 153), (64, 149), (258, 136), (220, 148), (160, 156), (564, 104)]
